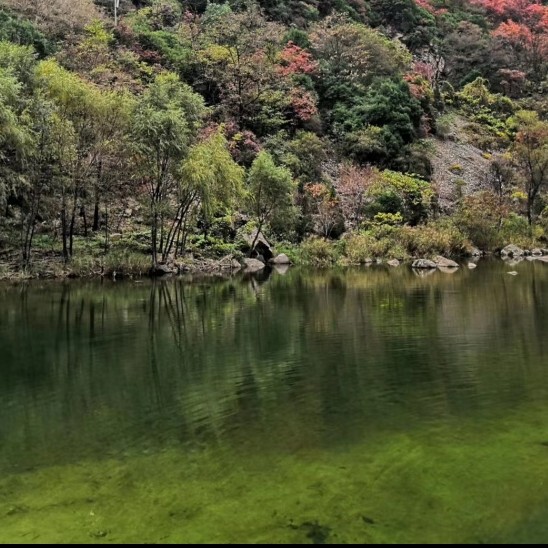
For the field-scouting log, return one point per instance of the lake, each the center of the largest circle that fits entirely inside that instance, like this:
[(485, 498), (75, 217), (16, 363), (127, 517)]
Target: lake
[(372, 405)]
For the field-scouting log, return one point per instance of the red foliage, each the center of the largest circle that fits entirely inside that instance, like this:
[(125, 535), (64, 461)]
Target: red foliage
[(523, 24), (303, 104), (296, 60), (426, 5)]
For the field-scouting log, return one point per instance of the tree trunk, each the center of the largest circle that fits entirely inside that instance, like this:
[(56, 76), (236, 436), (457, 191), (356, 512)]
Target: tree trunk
[(259, 228), (64, 231)]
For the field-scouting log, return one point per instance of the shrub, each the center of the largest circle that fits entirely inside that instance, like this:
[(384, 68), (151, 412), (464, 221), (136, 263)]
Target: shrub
[(437, 238), (319, 252)]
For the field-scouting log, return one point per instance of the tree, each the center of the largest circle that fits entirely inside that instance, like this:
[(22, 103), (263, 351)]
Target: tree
[(271, 190), (165, 122), (93, 118), (352, 187), (379, 124), (15, 135), (530, 152), (351, 55), (239, 59), (209, 182)]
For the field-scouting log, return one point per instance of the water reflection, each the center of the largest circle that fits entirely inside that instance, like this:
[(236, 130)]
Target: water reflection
[(91, 368)]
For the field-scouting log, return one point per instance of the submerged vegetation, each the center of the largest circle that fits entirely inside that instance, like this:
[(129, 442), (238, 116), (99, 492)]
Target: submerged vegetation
[(352, 129)]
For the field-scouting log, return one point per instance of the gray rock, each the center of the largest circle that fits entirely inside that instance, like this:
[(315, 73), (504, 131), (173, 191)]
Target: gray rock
[(471, 266), (527, 253), (512, 251), (281, 259), (262, 247), (393, 262), (536, 252), (253, 265), (513, 273), (475, 252), (235, 265), (445, 263), (163, 270), (424, 263)]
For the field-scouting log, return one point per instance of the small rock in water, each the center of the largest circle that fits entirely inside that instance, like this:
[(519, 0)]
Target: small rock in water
[(424, 263), (393, 262), (445, 263), (471, 266), (513, 273)]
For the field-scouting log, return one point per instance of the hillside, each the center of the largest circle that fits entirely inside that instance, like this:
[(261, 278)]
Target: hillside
[(343, 130)]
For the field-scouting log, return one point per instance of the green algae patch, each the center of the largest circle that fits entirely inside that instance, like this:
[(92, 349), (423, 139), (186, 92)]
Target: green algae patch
[(480, 482)]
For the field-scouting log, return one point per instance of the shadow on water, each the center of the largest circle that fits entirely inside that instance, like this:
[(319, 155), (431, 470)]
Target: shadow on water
[(339, 406)]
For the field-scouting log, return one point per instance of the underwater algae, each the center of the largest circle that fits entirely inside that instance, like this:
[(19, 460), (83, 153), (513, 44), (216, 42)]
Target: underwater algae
[(463, 483)]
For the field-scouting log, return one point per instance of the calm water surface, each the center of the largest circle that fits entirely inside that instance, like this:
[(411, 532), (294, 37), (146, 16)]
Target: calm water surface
[(358, 406)]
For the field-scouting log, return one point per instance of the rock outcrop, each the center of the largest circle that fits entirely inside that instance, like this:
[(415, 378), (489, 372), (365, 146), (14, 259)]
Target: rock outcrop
[(512, 251)]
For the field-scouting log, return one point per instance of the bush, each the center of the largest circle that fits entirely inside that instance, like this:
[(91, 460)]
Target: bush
[(437, 238), (319, 252)]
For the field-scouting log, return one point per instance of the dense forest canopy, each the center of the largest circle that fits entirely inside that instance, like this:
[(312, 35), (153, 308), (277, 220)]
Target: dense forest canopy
[(334, 125)]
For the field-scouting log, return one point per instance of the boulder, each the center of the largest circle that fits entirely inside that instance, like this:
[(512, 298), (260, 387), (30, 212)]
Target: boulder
[(253, 265), (442, 262), (424, 263), (471, 266), (281, 259), (475, 252), (261, 248), (393, 262), (512, 251), (537, 252), (162, 270)]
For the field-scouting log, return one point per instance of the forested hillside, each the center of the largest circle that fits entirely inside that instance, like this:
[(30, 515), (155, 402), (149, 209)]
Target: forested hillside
[(163, 132)]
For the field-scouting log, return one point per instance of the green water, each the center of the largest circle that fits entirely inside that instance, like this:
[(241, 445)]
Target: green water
[(366, 406)]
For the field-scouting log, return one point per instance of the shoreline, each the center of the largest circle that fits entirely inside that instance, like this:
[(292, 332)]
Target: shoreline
[(212, 268)]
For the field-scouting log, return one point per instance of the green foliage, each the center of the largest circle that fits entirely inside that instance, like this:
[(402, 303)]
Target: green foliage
[(270, 188), (319, 253), (23, 32), (398, 194), (417, 25), (436, 238), (210, 175), (380, 123)]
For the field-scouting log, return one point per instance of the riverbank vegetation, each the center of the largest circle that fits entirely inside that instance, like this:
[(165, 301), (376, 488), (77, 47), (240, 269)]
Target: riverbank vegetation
[(344, 131)]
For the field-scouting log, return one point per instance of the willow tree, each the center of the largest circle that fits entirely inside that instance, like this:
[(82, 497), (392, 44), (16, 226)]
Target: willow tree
[(271, 190), (209, 182), (165, 124), (15, 135), (93, 119)]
